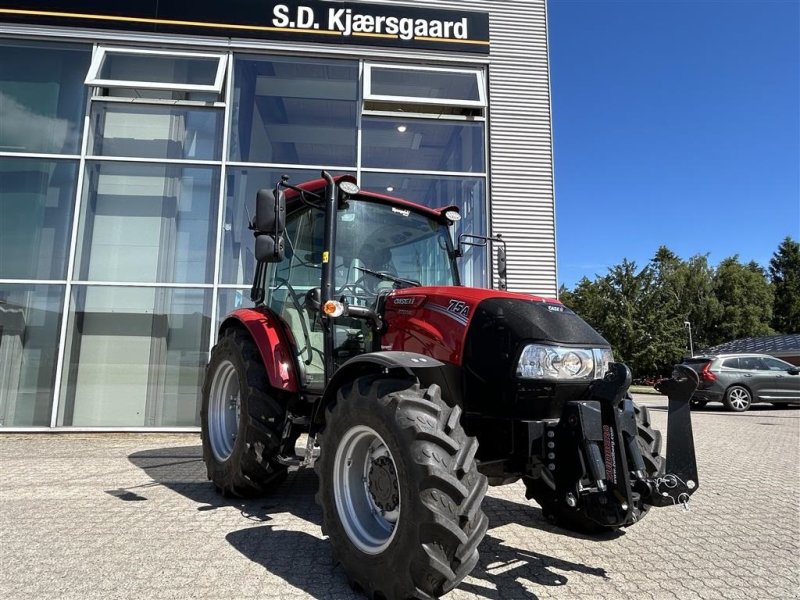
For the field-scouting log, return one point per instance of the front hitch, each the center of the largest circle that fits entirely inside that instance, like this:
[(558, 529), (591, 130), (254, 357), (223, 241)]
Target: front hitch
[(609, 481), (680, 480)]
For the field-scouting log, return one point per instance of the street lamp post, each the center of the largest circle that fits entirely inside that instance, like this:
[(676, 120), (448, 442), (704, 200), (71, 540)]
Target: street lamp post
[(688, 326)]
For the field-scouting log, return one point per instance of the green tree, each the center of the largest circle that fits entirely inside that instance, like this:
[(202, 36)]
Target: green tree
[(688, 291), (784, 271), (746, 299)]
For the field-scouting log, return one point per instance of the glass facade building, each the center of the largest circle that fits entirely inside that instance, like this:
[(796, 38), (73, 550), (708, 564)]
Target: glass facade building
[(128, 174), (131, 152)]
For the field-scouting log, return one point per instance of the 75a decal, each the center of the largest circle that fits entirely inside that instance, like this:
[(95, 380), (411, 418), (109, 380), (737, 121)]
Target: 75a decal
[(458, 307)]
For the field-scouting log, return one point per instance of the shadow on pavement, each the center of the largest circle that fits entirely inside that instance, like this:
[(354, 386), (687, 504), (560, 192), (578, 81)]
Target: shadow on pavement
[(309, 565)]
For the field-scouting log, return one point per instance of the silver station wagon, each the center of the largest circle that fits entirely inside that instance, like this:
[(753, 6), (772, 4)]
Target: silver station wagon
[(739, 380)]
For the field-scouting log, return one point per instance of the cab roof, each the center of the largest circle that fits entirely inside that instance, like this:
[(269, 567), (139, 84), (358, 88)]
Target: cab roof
[(318, 186)]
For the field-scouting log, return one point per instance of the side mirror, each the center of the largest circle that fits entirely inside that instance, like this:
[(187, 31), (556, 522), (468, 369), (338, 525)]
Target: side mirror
[(270, 223), (269, 248), (502, 270), (794, 371), (270, 211)]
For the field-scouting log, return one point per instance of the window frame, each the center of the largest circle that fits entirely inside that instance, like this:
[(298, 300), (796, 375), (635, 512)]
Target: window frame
[(100, 53), (479, 75)]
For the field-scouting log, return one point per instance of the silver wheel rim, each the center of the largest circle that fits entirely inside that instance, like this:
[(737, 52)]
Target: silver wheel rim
[(366, 489), (739, 398), (224, 410)]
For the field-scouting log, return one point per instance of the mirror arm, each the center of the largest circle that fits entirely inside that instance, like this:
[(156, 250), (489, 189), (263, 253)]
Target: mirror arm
[(465, 239)]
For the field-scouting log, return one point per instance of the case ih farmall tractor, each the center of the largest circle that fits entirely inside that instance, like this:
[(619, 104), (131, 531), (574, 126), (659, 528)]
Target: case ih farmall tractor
[(420, 392)]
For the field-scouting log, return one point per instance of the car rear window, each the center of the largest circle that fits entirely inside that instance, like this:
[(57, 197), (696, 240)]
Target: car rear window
[(696, 363), (731, 363)]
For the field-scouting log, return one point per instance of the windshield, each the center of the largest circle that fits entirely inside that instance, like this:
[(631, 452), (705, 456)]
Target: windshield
[(399, 244)]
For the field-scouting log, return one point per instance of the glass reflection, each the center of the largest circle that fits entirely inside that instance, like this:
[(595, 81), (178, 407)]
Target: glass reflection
[(238, 260), (468, 193), (228, 301), (36, 199), (293, 111), (135, 356), (42, 96), (423, 145), (425, 85), (30, 318), (156, 132), (149, 223)]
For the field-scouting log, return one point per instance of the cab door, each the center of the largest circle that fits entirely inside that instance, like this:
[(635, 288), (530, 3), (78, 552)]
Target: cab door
[(288, 283)]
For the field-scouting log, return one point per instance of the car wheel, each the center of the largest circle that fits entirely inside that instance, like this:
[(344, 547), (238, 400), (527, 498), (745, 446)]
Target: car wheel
[(697, 404), (738, 398)]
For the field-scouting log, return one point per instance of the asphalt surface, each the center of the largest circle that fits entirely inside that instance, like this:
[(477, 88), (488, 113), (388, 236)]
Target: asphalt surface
[(133, 516)]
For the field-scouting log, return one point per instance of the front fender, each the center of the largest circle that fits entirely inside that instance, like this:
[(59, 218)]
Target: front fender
[(269, 335), (403, 364)]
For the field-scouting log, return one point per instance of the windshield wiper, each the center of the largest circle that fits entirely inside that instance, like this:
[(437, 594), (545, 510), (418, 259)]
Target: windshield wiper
[(384, 276)]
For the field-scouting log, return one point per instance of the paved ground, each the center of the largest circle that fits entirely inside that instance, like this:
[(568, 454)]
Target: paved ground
[(132, 516)]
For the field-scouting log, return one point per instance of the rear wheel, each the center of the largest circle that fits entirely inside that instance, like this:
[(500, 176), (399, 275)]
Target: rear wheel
[(738, 398), (557, 511), (241, 420), (399, 489)]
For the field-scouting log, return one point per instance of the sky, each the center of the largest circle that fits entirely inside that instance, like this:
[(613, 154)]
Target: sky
[(675, 123)]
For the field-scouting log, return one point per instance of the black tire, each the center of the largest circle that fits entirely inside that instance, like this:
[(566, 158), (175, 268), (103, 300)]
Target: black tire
[(433, 541), (697, 404), (738, 398), (246, 467), (556, 510)]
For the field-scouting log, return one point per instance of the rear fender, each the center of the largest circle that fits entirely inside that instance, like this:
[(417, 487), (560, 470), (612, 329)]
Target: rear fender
[(269, 335), (410, 365)]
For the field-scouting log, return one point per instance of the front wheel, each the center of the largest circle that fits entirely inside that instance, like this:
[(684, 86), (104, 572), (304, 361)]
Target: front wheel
[(399, 489), (738, 398)]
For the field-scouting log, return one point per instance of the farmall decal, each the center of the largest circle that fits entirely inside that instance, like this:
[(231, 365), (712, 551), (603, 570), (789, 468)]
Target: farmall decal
[(348, 21)]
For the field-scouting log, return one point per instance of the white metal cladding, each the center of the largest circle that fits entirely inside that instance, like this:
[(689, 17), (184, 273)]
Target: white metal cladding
[(520, 139)]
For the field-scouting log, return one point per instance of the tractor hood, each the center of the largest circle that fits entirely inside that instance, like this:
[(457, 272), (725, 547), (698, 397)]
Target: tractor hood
[(489, 325)]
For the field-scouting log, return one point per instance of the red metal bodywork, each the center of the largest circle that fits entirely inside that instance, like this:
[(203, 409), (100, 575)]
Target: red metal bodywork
[(270, 337), (434, 320)]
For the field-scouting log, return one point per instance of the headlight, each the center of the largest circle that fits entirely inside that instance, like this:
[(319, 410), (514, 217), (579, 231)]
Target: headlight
[(555, 362)]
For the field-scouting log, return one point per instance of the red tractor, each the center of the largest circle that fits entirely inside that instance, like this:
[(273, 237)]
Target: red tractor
[(420, 392)]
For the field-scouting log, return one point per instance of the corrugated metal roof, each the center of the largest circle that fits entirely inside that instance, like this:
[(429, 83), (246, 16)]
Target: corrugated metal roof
[(768, 344)]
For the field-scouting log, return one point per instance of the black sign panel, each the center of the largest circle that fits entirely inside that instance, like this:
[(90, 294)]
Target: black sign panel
[(352, 23)]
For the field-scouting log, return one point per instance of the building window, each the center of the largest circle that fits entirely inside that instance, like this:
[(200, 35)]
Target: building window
[(155, 69), (42, 97), (154, 131), (30, 319), (238, 260), (136, 356), (294, 111), (423, 144), (148, 223), (445, 88), (424, 138), (36, 202)]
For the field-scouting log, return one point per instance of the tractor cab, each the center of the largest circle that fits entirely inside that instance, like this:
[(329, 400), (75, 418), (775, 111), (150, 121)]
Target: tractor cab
[(381, 244)]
